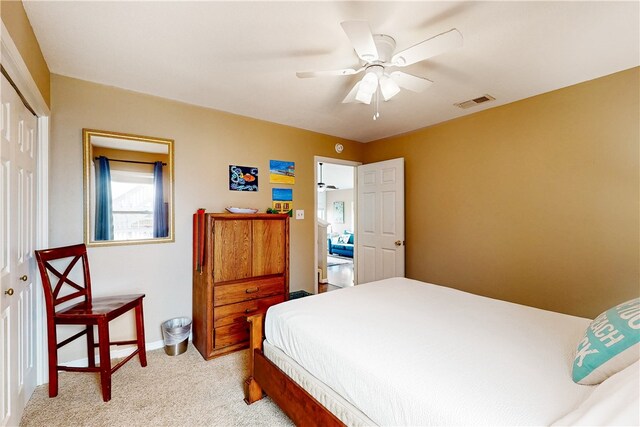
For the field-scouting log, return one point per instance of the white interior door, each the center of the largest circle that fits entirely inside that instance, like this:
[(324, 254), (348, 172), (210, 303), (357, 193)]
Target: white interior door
[(17, 265), (380, 238)]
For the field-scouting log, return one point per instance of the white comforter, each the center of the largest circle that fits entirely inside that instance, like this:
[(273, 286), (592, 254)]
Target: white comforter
[(409, 353)]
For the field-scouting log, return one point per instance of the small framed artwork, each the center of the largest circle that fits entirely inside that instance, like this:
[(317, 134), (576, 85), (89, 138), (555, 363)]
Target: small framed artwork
[(243, 178), (338, 212), (282, 199), (282, 172)]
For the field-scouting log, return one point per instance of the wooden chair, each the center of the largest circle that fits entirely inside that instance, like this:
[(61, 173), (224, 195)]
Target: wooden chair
[(89, 312)]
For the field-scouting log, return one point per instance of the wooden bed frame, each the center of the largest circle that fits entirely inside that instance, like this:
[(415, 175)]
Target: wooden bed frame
[(266, 377)]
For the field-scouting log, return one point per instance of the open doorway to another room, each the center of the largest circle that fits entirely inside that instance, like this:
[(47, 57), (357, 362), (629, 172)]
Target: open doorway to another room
[(336, 214)]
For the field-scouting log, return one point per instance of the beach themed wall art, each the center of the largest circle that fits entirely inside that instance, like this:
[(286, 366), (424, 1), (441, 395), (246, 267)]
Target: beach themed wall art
[(243, 178), (282, 172)]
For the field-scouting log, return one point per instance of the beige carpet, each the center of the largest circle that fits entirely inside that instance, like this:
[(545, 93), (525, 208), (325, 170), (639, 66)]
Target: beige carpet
[(182, 390)]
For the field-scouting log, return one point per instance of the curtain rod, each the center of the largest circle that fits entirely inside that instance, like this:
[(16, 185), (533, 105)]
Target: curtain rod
[(130, 161)]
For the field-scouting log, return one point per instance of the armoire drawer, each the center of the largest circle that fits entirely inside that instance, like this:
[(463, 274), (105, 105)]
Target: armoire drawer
[(234, 313), (243, 291), (231, 334)]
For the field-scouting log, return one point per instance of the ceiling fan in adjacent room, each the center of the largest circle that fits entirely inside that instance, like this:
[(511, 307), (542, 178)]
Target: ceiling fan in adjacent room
[(322, 186), (378, 60)]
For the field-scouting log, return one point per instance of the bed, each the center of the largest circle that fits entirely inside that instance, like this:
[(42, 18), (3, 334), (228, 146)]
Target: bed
[(403, 352)]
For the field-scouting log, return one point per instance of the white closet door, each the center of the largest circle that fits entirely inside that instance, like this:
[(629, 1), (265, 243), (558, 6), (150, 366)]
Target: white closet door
[(17, 264)]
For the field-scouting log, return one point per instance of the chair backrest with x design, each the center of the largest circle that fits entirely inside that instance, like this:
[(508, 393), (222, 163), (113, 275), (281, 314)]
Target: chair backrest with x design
[(58, 294)]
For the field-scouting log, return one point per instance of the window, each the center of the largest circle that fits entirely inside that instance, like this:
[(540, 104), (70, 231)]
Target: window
[(132, 197)]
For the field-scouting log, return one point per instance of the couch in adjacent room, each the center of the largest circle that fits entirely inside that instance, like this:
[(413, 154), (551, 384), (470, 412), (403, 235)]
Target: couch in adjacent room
[(342, 245)]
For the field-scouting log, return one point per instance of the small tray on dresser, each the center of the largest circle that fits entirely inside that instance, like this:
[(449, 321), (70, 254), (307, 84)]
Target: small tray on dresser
[(241, 210)]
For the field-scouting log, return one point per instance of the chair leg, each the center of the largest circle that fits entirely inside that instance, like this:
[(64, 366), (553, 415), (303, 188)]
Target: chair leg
[(105, 359), (91, 349), (142, 353), (52, 340)]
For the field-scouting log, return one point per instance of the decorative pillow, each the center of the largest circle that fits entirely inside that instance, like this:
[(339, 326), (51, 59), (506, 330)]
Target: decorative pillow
[(610, 344), (344, 238)]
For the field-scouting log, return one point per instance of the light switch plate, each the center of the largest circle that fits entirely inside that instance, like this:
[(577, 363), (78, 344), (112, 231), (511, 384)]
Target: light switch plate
[(299, 214)]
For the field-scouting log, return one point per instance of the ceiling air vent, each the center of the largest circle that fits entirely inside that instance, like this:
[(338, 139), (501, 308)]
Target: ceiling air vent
[(475, 101)]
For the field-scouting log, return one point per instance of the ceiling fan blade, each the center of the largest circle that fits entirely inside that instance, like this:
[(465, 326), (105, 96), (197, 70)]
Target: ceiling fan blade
[(351, 96), (410, 82), (388, 87), (359, 34), (429, 48), (344, 72)]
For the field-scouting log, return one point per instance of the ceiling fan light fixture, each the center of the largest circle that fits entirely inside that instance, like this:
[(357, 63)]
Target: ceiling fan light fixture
[(368, 86), (388, 87), (369, 83), (364, 97)]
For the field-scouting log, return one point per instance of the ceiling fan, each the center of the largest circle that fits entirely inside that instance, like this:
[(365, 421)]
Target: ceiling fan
[(376, 53), (322, 186)]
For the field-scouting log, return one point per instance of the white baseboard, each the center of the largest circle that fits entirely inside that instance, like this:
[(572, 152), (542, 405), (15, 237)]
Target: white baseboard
[(116, 354), (320, 279)]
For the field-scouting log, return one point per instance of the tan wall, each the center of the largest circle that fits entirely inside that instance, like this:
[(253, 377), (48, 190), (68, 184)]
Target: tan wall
[(206, 143), (535, 202), (15, 19)]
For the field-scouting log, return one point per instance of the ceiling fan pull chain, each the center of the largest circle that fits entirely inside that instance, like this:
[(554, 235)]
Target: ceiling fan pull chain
[(376, 112), (375, 108)]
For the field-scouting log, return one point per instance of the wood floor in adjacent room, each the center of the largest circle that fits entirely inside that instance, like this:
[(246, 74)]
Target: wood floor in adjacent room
[(339, 276)]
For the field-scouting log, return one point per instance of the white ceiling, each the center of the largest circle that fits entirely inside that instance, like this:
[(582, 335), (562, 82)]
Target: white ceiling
[(341, 176), (241, 57)]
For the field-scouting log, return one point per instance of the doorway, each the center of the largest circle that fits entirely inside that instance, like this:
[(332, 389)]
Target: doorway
[(336, 213)]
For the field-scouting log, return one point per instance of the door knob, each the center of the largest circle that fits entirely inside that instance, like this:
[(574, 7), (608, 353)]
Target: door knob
[(24, 278), (9, 291), (398, 242)]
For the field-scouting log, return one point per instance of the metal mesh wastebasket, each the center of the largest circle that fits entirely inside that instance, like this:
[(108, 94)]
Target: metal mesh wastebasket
[(175, 333)]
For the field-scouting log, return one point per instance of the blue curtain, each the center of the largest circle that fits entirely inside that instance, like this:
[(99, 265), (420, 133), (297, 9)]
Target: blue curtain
[(104, 214), (160, 226)]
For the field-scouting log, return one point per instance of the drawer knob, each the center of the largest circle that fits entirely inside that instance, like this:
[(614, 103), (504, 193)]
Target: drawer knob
[(250, 310), (251, 290)]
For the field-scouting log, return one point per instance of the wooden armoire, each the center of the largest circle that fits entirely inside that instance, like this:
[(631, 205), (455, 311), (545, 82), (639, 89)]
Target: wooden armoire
[(241, 267)]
